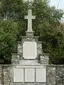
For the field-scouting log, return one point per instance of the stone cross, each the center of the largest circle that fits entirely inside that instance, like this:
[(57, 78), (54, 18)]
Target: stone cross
[(29, 17)]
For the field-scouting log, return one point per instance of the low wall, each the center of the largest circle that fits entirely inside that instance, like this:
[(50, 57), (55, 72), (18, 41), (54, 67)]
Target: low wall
[(55, 75)]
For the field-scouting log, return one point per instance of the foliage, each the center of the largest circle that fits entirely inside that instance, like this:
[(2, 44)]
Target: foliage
[(46, 25), (8, 31)]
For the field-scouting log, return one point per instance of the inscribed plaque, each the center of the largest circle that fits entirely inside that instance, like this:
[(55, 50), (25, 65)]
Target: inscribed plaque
[(29, 50), (41, 75), (29, 75), (18, 75)]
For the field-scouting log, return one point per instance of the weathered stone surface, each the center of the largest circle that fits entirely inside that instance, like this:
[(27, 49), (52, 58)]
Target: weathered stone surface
[(7, 75), (29, 84), (55, 76), (29, 50), (59, 75), (0, 75), (51, 75)]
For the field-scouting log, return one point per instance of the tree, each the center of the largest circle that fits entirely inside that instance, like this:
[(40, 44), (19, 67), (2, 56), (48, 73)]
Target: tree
[(46, 25), (8, 31)]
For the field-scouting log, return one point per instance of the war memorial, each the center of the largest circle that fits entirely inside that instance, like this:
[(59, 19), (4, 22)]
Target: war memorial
[(31, 66)]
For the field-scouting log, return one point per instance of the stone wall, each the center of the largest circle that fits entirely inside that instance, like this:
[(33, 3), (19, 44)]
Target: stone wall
[(51, 75), (55, 75), (59, 75), (0, 75), (5, 75), (8, 75)]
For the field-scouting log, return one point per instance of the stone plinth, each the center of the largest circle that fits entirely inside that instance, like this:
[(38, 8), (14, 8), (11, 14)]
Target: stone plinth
[(29, 71)]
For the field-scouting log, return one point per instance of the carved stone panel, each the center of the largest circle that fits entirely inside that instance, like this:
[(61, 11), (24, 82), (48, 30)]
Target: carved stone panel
[(29, 50), (41, 75), (18, 75), (29, 75)]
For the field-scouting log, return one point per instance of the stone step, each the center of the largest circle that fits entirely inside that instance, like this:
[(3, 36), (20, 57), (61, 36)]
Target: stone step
[(28, 62)]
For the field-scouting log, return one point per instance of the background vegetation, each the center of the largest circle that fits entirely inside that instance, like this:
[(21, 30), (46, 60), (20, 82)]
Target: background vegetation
[(47, 26)]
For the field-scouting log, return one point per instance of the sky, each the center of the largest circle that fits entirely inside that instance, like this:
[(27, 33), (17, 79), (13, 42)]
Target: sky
[(59, 4)]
